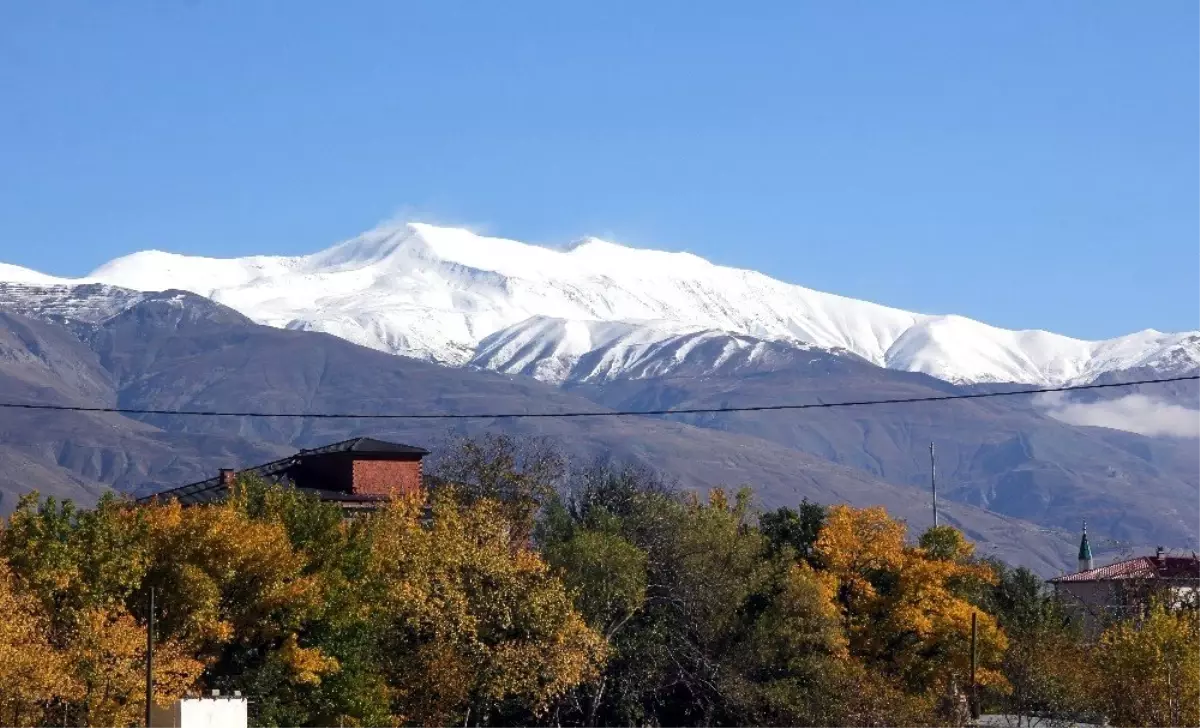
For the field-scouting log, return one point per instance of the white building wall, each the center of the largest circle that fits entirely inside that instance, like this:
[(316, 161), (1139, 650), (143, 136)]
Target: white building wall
[(202, 713)]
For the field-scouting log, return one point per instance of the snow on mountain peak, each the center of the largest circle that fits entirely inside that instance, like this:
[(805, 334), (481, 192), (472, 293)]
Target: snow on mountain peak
[(455, 296), (370, 248), (17, 274)]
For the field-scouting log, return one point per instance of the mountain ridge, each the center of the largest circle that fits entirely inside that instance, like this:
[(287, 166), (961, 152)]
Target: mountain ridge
[(440, 293)]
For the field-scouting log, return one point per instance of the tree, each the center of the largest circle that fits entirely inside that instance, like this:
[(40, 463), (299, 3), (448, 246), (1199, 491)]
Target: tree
[(610, 538), (519, 474), (946, 543), (328, 671), (74, 560), (904, 607), (223, 577), (606, 573), (82, 567), (471, 624), (33, 675), (607, 576), (1021, 602), (798, 529), (1149, 668), (420, 612), (107, 658), (1050, 678), (1047, 667), (785, 669)]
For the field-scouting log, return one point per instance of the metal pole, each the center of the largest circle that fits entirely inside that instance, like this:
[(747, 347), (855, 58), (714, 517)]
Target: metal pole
[(933, 482), (974, 662), (150, 657)]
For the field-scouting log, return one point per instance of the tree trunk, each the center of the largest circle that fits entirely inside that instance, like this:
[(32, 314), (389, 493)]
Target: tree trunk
[(594, 707)]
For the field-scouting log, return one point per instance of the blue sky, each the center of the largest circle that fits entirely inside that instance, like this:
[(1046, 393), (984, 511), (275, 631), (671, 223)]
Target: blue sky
[(1029, 164)]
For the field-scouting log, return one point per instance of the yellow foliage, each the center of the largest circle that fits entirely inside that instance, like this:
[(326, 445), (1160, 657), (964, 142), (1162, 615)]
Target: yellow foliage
[(32, 673), (306, 664), (900, 610), (856, 542), (107, 657), (718, 499), (1151, 670), (223, 574), (471, 615)]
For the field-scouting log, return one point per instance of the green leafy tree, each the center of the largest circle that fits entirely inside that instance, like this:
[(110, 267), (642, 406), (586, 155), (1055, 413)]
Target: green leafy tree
[(797, 529), (75, 560)]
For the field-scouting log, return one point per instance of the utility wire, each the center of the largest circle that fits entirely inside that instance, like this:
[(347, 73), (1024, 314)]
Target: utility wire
[(604, 413)]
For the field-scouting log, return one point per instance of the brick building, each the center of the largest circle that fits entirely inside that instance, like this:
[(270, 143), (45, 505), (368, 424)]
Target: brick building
[(357, 474)]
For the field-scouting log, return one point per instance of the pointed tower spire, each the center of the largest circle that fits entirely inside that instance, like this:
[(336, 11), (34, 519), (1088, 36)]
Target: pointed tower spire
[(1085, 551)]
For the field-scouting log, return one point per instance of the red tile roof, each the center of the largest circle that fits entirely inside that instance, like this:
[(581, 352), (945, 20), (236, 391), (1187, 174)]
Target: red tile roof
[(1142, 567)]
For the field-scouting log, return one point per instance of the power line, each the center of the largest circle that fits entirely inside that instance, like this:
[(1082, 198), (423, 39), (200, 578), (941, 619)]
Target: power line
[(606, 413)]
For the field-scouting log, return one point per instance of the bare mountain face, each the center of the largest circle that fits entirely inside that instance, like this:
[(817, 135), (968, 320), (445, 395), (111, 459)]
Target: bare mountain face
[(78, 455), (175, 350)]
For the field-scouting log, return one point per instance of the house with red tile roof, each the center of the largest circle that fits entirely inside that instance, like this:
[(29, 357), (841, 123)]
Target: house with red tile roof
[(1097, 595)]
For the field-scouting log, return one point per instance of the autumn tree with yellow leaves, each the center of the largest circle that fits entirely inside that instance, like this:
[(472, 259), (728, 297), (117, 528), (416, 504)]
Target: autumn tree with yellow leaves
[(33, 674), (471, 624), (1148, 669), (74, 573), (904, 606), (107, 660)]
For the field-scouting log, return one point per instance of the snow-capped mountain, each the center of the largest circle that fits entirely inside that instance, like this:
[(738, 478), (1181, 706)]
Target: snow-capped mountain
[(452, 296)]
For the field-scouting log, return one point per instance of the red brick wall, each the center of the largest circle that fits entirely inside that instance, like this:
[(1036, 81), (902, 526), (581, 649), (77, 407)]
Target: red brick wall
[(386, 477)]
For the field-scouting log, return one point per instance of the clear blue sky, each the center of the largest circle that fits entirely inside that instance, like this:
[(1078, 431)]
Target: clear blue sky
[(1029, 164)]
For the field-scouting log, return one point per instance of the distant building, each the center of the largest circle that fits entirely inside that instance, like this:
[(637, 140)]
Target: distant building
[(357, 474), (214, 712), (1097, 595)]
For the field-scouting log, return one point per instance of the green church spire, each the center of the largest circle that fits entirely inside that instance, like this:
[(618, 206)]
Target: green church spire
[(1085, 551)]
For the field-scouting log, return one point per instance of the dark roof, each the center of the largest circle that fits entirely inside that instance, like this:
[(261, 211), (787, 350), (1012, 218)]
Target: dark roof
[(1142, 567), (211, 489), (368, 444)]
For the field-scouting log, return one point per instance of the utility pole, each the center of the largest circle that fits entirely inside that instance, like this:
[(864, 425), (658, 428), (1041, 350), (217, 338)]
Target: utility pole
[(933, 482), (149, 656), (974, 661)]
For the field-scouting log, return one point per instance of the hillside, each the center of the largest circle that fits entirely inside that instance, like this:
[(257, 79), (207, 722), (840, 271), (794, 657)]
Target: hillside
[(175, 350)]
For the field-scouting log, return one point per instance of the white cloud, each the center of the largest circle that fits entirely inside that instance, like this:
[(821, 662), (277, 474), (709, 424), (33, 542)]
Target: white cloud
[(1131, 413)]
